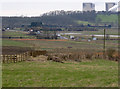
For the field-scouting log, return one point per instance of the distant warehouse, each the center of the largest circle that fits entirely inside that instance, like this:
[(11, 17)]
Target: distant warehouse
[(109, 5), (88, 6)]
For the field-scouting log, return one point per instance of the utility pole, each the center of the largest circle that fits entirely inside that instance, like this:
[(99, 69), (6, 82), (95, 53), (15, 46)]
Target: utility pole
[(104, 43)]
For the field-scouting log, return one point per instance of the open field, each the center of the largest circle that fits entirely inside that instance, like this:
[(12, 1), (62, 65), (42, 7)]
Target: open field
[(16, 34), (84, 22), (108, 18), (25, 34), (75, 59), (96, 73), (53, 44), (7, 42), (37, 73), (99, 32)]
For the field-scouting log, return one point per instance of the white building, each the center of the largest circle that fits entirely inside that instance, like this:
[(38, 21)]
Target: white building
[(88, 6), (115, 8), (109, 5)]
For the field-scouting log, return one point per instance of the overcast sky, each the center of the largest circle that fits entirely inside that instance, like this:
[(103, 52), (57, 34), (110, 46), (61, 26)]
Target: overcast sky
[(38, 7)]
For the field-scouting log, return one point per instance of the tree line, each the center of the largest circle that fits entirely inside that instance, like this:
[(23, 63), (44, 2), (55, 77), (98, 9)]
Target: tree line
[(63, 18)]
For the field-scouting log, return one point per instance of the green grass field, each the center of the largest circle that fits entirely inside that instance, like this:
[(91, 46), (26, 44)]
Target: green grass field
[(7, 42), (17, 34), (14, 33), (101, 32), (84, 22), (66, 44), (40, 44), (107, 18), (96, 73)]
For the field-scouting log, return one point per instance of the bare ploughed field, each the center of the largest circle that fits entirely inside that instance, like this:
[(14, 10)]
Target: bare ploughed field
[(11, 50)]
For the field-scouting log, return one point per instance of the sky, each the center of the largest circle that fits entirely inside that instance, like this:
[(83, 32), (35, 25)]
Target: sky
[(38, 7)]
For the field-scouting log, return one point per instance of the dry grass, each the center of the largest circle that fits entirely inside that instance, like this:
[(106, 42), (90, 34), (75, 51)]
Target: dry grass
[(80, 55)]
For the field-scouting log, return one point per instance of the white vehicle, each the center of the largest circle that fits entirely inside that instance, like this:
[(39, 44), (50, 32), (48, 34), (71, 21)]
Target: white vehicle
[(71, 37)]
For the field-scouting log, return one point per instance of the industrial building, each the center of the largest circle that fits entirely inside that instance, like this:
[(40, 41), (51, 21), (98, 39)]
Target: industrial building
[(115, 8), (109, 5), (88, 6)]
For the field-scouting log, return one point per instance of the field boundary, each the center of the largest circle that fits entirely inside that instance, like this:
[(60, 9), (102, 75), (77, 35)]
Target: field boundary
[(21, 57), (15, 58)]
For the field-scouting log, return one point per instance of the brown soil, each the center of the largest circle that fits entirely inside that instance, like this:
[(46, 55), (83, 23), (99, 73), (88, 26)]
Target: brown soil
[(11, 50)]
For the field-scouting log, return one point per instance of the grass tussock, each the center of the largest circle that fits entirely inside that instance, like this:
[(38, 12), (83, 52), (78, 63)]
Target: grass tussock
[(112, 54)]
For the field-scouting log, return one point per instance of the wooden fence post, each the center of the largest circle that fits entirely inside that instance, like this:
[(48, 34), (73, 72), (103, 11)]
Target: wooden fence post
[(16, 58), (7, 58), (27, 55), (21, 57), (3, 58), (11, 58)]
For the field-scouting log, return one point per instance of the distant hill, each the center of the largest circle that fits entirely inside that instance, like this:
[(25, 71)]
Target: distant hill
[(63, 18)]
